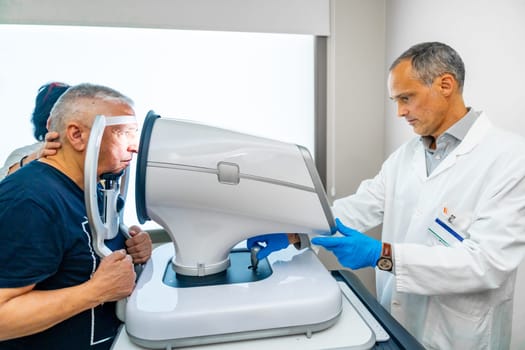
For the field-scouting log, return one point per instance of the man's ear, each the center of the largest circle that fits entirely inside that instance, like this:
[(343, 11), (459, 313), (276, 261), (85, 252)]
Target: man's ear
[(447, 84), (77, 135)]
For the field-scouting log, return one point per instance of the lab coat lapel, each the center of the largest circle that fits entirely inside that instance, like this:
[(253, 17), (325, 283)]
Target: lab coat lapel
[(419, 163), (471, 140)]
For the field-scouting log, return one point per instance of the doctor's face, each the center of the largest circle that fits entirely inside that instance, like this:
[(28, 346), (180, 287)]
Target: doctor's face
[(423, 106), (119, 142)]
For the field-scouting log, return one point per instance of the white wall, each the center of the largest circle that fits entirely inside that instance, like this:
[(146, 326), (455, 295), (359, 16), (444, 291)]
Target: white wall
[(356, 81), (490, 37)]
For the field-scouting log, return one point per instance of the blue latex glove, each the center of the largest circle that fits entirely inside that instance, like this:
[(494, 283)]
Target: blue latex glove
[(269, 243), (355, 250)]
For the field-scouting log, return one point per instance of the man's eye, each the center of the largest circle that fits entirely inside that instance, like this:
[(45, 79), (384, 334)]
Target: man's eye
[(131, 132), (118, 132)]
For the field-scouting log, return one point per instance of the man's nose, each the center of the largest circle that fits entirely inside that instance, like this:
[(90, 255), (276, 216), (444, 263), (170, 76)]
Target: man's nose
[(402, 111), (133, 148), (133, 144)]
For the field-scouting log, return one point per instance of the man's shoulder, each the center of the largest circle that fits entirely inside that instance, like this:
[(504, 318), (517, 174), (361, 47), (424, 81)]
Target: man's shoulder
[(498, 137), (504, 143), (31, 175), (35, 181), (508, 138)]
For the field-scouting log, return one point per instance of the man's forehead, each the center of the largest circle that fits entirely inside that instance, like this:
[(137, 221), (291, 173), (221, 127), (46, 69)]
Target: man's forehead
[(402, 82)]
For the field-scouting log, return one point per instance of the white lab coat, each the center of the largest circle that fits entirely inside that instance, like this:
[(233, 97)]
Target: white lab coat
[(457, 297)]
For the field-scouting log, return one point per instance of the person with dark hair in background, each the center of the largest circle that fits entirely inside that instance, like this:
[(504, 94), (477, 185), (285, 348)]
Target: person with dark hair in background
[(47, 95), (55, 292), (452, 205)]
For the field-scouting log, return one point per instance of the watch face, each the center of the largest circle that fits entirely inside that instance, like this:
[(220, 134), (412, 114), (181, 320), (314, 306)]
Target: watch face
[(385, 264)]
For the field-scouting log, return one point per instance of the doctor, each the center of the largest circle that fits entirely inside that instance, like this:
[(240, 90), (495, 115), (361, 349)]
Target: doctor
[(452, 205)]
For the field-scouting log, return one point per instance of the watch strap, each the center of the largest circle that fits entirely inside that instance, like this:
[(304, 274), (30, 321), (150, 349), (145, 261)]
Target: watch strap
[(385, 261), (386, 252)]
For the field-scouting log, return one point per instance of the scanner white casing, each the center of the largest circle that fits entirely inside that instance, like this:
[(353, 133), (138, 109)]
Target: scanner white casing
[(211, 188)]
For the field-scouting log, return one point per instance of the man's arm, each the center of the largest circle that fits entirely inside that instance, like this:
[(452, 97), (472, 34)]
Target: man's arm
[(25, 311)]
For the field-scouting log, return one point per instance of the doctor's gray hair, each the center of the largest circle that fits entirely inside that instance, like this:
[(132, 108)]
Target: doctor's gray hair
[(78, 101), (433, 59)]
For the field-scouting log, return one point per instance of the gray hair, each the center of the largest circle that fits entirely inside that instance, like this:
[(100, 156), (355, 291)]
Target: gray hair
[(433, 59), (70, 107)]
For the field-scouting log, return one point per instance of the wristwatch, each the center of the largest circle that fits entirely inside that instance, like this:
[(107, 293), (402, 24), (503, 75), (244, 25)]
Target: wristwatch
[(385, 260)]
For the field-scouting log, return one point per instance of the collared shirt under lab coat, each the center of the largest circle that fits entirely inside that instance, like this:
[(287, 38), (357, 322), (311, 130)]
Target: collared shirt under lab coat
[(456, 297)]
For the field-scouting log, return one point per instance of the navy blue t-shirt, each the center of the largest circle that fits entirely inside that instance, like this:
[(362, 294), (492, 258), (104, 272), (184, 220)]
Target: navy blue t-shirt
[(45, 240)]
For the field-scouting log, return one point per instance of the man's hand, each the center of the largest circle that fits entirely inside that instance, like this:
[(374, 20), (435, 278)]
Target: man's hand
[(269, 243), (355, 250), (139, 246), (115, 277)]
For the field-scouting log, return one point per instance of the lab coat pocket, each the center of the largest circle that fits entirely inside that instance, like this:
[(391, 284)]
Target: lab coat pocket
[(457, 322), (449, 229)]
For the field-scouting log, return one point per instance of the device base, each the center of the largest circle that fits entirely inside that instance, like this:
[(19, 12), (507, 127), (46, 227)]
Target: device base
[(300, 296)]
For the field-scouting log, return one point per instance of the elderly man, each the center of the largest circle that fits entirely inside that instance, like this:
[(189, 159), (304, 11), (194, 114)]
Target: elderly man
[(55, 292)]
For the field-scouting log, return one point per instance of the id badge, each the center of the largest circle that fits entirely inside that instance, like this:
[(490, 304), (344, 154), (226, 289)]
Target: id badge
[(442, 228)]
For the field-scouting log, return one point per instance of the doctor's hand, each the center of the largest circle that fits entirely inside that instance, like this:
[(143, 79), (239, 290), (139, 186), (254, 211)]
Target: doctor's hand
[(355, 250), (269, 243), (139, 246)]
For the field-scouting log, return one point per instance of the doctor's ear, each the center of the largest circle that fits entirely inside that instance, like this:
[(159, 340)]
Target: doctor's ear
[(77, 135), (447, 84)]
